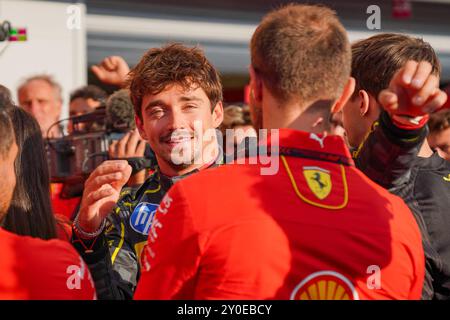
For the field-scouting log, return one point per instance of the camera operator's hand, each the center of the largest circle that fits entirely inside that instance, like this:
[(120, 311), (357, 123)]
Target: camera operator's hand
[(130, 146), (413, 91), (101, 192), (112, 70)]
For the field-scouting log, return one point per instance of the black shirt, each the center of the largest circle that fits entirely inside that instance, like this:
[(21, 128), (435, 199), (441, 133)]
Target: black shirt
[(388, 156)]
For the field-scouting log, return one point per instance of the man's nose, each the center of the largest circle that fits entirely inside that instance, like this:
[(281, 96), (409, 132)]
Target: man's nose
[(176, 120), (34, 107)]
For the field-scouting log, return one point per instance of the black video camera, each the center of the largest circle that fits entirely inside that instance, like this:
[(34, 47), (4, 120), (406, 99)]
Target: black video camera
[(73, 157)]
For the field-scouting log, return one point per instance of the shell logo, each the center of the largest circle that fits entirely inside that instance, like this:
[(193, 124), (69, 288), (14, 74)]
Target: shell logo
[(325, 285)]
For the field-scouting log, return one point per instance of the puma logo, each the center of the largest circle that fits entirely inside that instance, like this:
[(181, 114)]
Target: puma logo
[(315, 137), (447, 178)]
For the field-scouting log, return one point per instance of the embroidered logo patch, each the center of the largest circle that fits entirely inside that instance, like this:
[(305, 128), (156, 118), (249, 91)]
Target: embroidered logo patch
[(142, 217), (318, 180)]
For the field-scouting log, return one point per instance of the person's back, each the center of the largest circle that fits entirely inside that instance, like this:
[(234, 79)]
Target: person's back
[(35, 269), (357, 242)]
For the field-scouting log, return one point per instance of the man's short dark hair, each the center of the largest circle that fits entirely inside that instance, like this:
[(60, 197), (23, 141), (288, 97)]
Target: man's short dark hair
[(5, 96), (302, 52), (375, 60), (6, 128), (6, 134), (89, 92)]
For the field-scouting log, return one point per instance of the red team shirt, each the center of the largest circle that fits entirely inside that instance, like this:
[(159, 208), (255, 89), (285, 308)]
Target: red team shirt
[(32, 269), (317, 229)]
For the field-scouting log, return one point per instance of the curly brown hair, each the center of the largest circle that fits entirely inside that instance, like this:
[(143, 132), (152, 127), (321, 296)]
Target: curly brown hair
[(173, 64)]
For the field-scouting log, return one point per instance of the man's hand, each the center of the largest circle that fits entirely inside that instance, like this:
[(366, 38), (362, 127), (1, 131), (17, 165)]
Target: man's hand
[(413, 91), (101, 192), (130, 145), (112, 70)]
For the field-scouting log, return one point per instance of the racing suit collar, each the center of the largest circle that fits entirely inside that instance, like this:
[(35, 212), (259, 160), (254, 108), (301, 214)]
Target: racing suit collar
[(166, 181), (331, 144)]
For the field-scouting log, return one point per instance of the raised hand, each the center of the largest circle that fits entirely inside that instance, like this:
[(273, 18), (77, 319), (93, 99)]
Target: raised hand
[(112, 70), (413, 91)]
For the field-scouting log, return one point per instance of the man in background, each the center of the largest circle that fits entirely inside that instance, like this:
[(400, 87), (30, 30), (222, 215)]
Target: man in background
[(390, 143), (41, 96), (85, 100)]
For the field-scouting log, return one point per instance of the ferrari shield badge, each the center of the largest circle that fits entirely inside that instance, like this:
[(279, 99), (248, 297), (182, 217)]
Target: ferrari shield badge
[(318, 180)]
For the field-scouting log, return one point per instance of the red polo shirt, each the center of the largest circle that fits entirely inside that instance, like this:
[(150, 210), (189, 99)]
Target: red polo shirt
[(316, 229), (34, 269)]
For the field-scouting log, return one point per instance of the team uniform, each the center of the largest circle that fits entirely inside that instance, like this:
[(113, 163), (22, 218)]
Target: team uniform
[(113, 257), (34, 269), (317, 229), (388, 156)]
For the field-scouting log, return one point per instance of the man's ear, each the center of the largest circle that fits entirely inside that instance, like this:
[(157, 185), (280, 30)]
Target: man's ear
[(217, 114), (140, 127), (365, 101), (255, 85), (349, 88)]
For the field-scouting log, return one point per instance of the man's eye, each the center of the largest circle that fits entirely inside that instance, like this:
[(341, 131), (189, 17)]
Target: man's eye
[(190, 106), (155, 112)]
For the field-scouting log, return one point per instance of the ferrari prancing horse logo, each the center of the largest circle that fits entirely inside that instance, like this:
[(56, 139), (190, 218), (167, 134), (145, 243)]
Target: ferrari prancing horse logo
[(319, 181)]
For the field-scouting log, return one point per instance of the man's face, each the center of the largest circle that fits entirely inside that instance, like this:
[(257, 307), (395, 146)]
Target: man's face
[(177, 119), (80, 106), (440, 141), (40, 99), (8, 179)]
